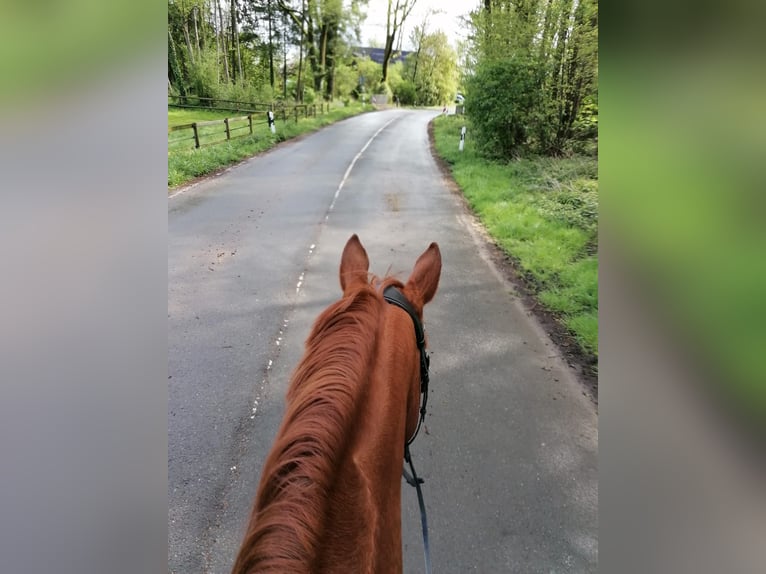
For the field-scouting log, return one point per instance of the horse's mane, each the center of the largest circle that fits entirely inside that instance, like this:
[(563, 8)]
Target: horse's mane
[(285, 529)]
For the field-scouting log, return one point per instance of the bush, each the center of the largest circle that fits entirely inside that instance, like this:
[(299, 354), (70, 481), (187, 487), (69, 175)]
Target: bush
[(383, 89), (309, 95), (203, 77), (406, 93), (504, 105)]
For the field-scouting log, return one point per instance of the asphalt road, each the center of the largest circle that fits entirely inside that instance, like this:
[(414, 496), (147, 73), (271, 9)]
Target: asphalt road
[(510, 449)]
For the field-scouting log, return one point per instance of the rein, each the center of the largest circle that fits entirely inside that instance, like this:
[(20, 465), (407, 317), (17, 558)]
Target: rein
[(392, 295)]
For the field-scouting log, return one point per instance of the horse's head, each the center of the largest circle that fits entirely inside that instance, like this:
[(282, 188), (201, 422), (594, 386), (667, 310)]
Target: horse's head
[(328, 500), (420, 287), (417, 291)]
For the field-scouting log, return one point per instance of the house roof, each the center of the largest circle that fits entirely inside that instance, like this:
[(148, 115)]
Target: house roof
[(376, 54)]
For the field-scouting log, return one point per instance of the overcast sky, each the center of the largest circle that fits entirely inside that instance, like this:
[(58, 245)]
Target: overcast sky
[(448, 20)]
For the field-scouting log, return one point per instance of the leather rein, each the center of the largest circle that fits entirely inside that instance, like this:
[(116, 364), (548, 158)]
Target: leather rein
[(395, 297)]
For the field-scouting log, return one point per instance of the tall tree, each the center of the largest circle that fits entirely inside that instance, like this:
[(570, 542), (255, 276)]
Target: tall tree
[(396, 14), (549, 46), (222, 35), (436, 80), (418, 35)]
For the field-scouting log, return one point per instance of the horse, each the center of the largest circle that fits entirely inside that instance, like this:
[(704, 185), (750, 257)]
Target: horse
[(329, 498)]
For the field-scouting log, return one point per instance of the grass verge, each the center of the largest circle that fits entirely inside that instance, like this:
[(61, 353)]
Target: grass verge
[(186, 164), (543, 212)]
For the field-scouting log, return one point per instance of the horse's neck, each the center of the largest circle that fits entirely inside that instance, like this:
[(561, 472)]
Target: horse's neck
[(345, 515), (363, 527)]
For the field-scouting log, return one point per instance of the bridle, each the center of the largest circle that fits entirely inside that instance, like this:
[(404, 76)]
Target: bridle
[(395, 297)]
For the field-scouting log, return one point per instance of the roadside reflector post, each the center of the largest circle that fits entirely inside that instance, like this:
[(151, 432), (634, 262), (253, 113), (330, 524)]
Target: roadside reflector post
[(462, 138), (270, 116)]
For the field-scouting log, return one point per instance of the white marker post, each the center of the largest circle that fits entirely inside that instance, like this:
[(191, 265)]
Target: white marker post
[(462, 138), (270, 115)]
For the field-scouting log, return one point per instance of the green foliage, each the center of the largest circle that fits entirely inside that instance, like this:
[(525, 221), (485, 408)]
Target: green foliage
[(548, 51), (384, 89), (186, 164), (309, 95), (204, 60), (395, 77), (432, 68), (544, 213), (203, 78), (406, 93), (369, 73), (502, 105), (346, 79)]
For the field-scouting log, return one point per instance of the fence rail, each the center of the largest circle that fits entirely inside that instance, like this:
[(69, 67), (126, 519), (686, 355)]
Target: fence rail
[(201, 129), (240, 106)]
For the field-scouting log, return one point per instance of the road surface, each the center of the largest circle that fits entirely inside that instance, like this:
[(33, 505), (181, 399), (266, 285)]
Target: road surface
[(510, 452)]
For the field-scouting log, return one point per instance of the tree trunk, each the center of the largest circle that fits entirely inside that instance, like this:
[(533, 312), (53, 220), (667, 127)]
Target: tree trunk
[(271, 48), (224, 48), (573, 84), (311, 54), (542, 55), (284, 57), (299, 87), (174, 67), (420, 46), (332, 33), (233, 40), (196, 31), (387, 51), (320, 77), (189, 48), (217, 43), (561, 44), (394, 21)]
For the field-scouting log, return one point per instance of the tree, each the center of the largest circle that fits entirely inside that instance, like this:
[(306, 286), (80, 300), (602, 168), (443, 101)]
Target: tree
[(324, 25), (233, 49), (433, 68), (396, 14), (555, 42)]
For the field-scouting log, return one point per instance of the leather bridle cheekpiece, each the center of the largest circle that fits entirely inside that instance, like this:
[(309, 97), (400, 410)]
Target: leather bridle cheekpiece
[(396, 297)]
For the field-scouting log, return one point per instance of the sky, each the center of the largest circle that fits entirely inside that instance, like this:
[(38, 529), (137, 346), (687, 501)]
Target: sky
[(446, 20)]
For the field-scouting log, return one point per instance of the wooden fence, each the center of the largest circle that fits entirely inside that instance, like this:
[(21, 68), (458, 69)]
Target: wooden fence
[(201, 132), (239, 106)]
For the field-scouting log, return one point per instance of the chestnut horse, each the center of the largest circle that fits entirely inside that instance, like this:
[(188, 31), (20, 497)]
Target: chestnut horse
[(329, 498)]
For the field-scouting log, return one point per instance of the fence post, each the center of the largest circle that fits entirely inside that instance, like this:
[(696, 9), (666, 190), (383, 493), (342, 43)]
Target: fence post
[(228, 134), (196, 135), (250, 122)]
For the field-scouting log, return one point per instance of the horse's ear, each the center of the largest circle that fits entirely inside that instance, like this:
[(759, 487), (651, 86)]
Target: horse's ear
[(422, 284), (354, 264)]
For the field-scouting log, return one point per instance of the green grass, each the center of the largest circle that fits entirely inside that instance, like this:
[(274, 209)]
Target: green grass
[(185, 163), (544, 213), (184, 139), (178, 116)]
